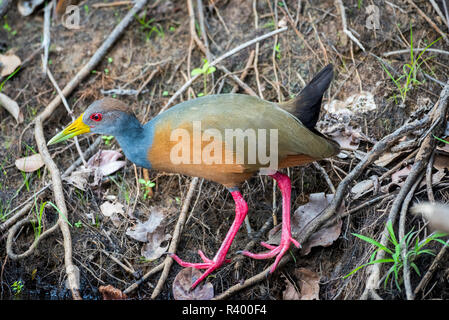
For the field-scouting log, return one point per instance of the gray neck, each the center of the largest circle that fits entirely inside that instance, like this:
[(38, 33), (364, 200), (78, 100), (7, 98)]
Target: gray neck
[(134, 141)]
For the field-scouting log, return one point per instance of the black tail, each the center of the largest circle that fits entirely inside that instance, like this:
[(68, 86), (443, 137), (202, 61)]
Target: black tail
[(307, 105)]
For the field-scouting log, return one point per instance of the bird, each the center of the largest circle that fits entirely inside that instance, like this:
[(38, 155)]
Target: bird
[(218, 138)]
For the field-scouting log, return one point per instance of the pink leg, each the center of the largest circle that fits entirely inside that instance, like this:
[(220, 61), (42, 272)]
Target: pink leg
[(286, 236), (241, 209)]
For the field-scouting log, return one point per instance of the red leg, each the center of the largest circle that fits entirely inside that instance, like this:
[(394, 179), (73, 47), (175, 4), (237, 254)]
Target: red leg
[(241, 209), (286, 237)]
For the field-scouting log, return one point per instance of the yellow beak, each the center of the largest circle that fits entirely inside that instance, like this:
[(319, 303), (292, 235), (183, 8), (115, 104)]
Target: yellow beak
[(76, 128)]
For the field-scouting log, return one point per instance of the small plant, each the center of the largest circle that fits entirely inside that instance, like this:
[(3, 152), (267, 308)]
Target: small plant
[(147, 28), (8, 77), (394, 255), (79, 224), (17, 287), (204, 70), (404, 83), (277, 48), (39, 213), (107, 139), (147, 185)]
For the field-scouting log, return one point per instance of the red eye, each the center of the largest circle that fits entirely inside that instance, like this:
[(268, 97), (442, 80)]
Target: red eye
[(96, 116)]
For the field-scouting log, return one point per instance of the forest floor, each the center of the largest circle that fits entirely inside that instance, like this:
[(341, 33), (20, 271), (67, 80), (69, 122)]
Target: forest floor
[(148, 64)]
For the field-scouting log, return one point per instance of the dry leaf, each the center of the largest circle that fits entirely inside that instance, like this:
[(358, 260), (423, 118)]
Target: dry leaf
[(348, 138), (153, 249), (12, 107), (290, 292), (111, 293), (30, 164), (141, 230), (309, 282), (361, 188), (436, 213), (112, 210), (8, 63), (106, 162), (108, 209), (302, 216), (386, 158), (79, 178), (184, 281), (400, 175), (360, 103), (441, 162)]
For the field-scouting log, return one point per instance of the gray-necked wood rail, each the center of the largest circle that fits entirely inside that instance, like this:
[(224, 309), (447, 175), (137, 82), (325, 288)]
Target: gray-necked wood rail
[(191, 138)]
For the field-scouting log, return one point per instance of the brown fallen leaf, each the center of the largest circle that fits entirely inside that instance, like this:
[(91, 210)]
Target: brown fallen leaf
[(154, 248), (30, 164), (400, 175), (12, 107), (302, 216), (309, 282), (111, 293), (106, 162), (441, 162), (141, 230), (183, 282), (79, 178), (386, 158), (112, 211), (361, 188), (290, 292), (8, 64)]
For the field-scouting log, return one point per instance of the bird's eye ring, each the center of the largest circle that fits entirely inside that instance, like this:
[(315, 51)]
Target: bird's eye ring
[(96, 116)]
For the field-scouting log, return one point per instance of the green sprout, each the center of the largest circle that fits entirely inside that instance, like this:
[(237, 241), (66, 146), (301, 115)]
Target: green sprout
[(17, 287), (39, 213), (79, 224), (277, 49), (7, 78), (107, 139), (404, 83), (146, 185), (394, 256), (204, 70), (147, 28)]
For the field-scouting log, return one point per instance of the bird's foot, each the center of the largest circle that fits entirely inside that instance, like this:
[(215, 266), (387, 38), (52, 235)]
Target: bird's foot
[(209, 264), (277, 251)]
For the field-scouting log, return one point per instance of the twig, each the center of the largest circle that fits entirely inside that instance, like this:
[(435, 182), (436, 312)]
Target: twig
[(430, 194), (256, 58), (391, 53), (150, 77), (15, 217), (402, 219), (46, 37), (325, 175), (245, 71), (218, 60), (423, 283), (345, 27), (175, 239), (438, 11), (432, 24), (136, 284)]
